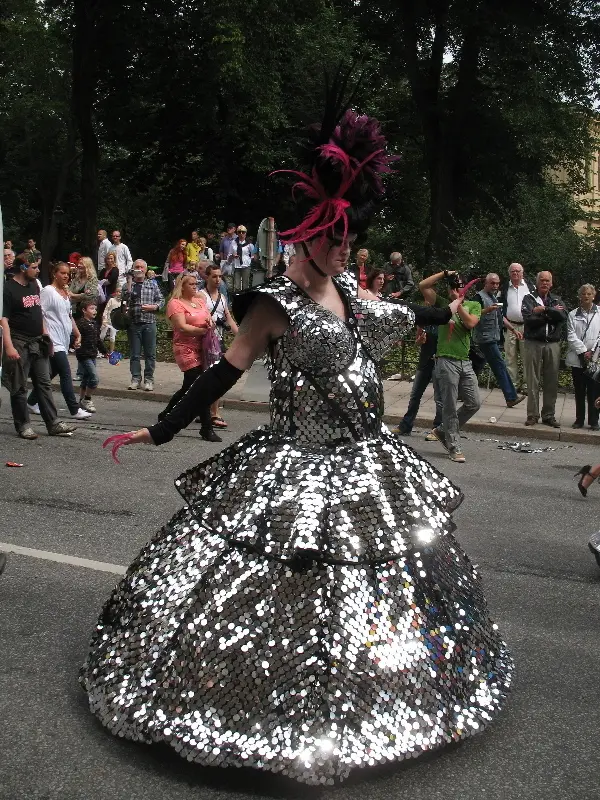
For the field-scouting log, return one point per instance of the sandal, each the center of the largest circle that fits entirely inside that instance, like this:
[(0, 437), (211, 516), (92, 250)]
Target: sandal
[(219, 422)]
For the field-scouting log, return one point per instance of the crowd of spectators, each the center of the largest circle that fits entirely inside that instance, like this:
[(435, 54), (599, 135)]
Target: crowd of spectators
[(515, 326)]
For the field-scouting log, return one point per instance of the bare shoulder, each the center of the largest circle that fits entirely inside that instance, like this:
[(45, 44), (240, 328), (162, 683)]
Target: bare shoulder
[(266, 318)]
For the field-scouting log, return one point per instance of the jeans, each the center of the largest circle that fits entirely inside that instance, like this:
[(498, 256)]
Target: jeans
[(189, 376), (89, 375), (142, 337), (493, 356), (456, 380), (585, 388), (59, 365), (422, 379), (37, 367)]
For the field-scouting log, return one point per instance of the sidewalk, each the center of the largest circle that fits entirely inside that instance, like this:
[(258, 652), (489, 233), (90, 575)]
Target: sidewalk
[(252, 391)]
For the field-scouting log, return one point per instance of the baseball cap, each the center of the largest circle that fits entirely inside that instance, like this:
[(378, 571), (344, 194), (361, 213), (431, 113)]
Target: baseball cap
[(242, 229)]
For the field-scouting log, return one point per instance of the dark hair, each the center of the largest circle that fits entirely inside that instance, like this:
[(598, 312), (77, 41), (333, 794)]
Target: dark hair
[(230, 225), (87, 303), (455, 281), (372, 275), (211, 267)]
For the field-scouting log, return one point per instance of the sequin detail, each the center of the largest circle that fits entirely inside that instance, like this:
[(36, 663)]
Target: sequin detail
[(309, 610)]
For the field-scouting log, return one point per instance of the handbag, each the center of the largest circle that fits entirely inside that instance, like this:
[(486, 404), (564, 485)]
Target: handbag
[(120, 317), (211, 349)]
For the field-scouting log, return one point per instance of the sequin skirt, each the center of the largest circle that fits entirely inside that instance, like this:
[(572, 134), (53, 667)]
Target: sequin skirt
[(307, 612)]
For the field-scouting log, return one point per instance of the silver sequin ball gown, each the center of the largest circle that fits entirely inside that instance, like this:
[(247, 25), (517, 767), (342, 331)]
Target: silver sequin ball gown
[(309, 610)]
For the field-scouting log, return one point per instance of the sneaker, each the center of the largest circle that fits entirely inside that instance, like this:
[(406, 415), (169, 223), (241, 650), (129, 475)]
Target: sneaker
[(456, 455), (148, 386), (62, 429), (513, 403), (441, 437), (81, 414), (34, 409), (209, 435), (552, 422), (577, 425), (28, 433), (135, 384), (88, 405), (595, 427), (432, 436), (530, 421)]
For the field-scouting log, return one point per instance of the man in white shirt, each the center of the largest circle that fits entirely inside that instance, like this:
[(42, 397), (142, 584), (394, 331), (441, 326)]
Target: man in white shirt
[(514, 293), (123, 256), (227, 252), (242, 261), (104, 245)]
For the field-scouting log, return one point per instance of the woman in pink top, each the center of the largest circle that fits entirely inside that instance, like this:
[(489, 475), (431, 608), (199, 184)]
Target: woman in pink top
[(176, 261), (190, 320)]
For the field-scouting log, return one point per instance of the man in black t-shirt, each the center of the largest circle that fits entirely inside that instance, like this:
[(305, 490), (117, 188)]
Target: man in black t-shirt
[(27, 350)]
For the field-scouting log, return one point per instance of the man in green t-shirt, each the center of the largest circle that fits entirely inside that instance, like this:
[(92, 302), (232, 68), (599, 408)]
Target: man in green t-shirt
[(454, 377)]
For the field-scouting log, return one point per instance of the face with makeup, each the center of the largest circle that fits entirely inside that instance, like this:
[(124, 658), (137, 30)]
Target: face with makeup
[(330, 255)]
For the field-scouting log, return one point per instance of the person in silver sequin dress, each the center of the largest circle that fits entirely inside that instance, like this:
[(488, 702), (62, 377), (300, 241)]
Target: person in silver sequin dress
[(308, 610)]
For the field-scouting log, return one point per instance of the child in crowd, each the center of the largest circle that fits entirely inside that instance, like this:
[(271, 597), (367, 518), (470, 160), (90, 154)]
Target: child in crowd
[(86, 353), (107, 326), (151, 276), (192, 270)]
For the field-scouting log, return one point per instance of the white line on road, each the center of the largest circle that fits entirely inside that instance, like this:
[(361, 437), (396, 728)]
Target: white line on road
[(45, 555)]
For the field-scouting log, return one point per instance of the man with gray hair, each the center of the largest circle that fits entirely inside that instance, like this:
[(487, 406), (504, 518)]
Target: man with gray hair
[(486, 335), (545, 316), (144, 299), (512, 296), (399, 280)]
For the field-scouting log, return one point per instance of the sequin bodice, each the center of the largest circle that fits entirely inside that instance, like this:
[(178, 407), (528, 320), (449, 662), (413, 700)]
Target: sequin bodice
[(325, 384)]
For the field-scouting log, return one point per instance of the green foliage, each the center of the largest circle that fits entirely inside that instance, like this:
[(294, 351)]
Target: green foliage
[(196, 105), (537, 232)]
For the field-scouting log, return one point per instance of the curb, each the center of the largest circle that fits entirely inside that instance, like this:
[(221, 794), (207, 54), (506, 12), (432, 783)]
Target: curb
[(513, 431), (536, 432), (162, 397)]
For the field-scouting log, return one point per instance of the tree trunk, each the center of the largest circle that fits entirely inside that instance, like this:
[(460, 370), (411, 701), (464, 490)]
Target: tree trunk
[(85, 75), (443, 113), (51, 203)]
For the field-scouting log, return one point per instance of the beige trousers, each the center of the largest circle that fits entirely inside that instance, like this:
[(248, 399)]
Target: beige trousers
[(512, 348), (542, 362)]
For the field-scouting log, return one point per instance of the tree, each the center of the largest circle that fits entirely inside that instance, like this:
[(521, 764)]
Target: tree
[(498, 88)]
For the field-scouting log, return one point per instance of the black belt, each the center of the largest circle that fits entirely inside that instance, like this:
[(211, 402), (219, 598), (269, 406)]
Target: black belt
[(514, 322)]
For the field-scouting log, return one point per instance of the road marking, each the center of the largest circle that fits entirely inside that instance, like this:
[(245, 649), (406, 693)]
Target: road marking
[(60, 558)]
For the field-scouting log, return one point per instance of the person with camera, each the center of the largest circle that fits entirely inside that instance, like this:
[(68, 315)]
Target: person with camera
[(583, 333), (28, 347), (222, 319), (400, 283), (145, 300), (454, 373), (486, 336)]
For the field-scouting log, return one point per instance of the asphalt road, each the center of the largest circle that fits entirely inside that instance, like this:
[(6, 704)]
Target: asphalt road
[(523, 522)]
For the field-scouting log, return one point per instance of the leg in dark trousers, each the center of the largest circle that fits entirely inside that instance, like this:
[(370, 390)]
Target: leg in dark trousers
[(59, 365), (593, 390), (421, 382), (579, 385), (189, 376), (39, 372)]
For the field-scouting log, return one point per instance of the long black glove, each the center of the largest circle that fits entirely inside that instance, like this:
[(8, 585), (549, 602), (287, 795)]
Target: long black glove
[(430, 315), (211, 385)]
